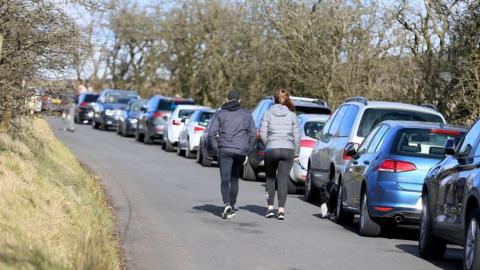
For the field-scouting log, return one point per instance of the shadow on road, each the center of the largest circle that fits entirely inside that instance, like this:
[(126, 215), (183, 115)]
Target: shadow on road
[(452, 261), (256, 209), (210, 208)]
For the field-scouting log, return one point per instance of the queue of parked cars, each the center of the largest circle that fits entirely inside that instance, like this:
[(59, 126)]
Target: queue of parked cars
[(390, 163)]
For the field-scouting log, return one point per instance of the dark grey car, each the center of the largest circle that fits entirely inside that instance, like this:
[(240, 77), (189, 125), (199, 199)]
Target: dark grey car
[(451, 201), (127, 122)]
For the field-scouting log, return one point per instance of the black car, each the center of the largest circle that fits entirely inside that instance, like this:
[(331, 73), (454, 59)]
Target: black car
[(152, 121), (127, 122), (303, 105), (451, 201), (84, 107), (108, 107), (206, 155)]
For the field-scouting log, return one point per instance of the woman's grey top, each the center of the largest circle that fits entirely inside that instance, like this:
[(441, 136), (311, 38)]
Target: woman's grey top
[(279, 129)]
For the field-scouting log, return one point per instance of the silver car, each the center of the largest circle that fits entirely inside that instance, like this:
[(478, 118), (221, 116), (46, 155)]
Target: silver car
[(347, 128), (311, 125)]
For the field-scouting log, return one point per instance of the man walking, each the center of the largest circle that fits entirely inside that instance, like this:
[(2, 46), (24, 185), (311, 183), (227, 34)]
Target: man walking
[(232, 135)]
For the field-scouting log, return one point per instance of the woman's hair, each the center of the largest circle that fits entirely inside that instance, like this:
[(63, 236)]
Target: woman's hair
[(282, 97)]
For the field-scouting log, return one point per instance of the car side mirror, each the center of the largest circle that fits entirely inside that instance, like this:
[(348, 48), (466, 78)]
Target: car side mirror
[(449, 148), (351, 150)]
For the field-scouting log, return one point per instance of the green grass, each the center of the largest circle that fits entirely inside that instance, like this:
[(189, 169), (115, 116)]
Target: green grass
[(53, 213)]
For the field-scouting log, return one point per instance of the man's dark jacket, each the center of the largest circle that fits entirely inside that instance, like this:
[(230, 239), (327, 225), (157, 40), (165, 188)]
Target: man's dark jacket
[(232, 130)]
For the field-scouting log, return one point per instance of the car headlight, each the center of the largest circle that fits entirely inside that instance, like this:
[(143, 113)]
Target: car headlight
[(133, 121), (117, 114), (109, 112)]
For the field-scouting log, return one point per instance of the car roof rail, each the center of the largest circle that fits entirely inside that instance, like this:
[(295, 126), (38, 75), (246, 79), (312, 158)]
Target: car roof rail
[(321, 102), (362, 100), (430, 106)]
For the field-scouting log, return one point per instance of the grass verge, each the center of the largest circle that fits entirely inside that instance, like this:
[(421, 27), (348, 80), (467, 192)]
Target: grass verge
[(53, 213)]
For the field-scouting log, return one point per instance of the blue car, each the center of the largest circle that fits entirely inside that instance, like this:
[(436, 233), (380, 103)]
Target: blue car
[(384, 178), (109, 106), (127, 122)]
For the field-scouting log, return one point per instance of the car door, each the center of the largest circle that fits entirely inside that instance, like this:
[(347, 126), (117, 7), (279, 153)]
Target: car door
[(322, 141), (326, 152), (451, 175)]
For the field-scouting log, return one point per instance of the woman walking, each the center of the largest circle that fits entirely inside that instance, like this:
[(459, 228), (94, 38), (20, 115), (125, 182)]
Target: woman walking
[(280, 134)]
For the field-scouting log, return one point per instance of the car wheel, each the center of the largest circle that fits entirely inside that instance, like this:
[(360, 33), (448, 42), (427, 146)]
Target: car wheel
[(95, 125), (248, 173), (138, 136), (311, 191), (124, 131), (118, 129), (471, 258), (199, 154), (291, 187), (205, 161), (429, 246), (180, 151), (189, 153), (168, 145), (342, 216), (368, 227)]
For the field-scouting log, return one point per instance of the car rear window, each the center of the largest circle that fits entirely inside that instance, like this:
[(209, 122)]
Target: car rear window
[(170, 105), (313, 128), (119, 98), (311, 110), (372, 117), (424, 142), (90, 98), (185, 113)]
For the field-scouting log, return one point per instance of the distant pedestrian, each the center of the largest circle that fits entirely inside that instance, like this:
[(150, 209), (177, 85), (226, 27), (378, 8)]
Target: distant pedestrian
[(68, 113), (281, 135), (232, 134)]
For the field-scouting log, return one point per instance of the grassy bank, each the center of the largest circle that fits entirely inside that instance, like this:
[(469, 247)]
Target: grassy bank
[(53, 213)]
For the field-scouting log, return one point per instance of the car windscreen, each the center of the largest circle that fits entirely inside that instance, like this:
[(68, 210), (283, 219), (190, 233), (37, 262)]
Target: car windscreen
[(205, 117), (90, 98), (185, 113), (170, 105), (118, 98), (424, 142), (313, 128), (311, 110), (372, 117)]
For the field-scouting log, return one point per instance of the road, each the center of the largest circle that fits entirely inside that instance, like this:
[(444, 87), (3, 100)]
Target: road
[(169, 207)]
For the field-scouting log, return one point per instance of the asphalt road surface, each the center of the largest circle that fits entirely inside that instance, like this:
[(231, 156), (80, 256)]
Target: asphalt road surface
[(169, 216)]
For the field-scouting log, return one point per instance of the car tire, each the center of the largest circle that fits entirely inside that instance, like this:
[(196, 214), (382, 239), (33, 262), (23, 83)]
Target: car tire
[(429, 246), (342, 216), (138, 136), (367, 226), (188, 153), (180, 152), (248, 173), (168, 145), (118, 129), (205, 161), (95, 125), (471, 257), (291, 187), (311, 191), (199, 153)]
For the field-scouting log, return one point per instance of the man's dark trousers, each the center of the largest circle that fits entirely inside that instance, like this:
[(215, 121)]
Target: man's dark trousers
[(230, 168)]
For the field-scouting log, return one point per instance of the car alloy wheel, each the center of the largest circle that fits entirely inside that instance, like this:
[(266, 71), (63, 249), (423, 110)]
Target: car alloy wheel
[(472, 249)]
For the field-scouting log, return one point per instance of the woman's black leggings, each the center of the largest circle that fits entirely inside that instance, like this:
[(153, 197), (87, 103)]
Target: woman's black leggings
[(281, 160)]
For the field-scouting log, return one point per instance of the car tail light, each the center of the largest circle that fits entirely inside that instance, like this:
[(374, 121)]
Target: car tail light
[(176, 122), (396, 166), (198, 129), (158, 114), (446, 132), (83, 104), (345, 157), (307, 143)]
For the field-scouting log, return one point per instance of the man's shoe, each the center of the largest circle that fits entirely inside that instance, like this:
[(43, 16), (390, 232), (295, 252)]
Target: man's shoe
[(281, 215), (270, 213), (227, 211), (232, 213)]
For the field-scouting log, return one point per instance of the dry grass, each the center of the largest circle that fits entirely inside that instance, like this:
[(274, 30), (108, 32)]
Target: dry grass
[(53, 214)]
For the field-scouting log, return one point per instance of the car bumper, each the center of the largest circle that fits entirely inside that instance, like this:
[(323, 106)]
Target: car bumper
[(387, 200), (110, 121), (85, 115)]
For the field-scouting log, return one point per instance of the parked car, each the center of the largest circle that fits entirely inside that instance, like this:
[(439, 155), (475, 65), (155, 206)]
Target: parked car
[(451, 202), (205, 154), (311, 125), (255, 163), (108, 107), (348, 126), (84, 108), (383, 180), (152, 121), (174, 125), (128, 120), (189, 138)]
